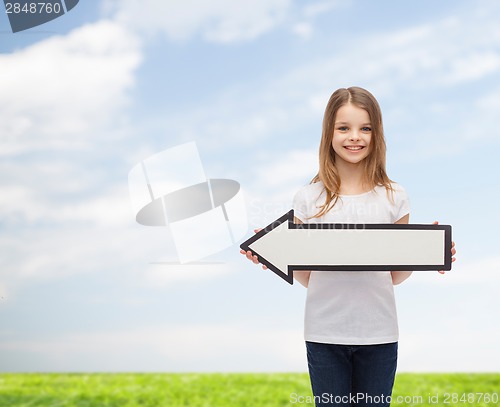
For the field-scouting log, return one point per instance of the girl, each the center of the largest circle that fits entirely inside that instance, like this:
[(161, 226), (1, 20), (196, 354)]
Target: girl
[(351, 328)]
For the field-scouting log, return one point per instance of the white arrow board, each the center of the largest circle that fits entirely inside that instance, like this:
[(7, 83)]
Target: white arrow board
[(284, 246)]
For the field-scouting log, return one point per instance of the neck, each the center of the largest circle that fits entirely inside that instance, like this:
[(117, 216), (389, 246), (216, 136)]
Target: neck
[(352, 181)]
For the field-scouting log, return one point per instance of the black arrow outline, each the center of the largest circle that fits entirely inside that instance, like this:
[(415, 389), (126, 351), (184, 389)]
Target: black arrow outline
[(289, 216)]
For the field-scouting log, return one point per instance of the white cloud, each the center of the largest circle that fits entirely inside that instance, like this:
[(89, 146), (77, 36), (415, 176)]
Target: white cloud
[(303, 30), (113, 208), (61, 106), (222, 21), (276, 175), (18, 201), (58, 92), (40, 253), (274, 180), (441, 53), (52, 240), (285, 169), (451, 349), (467, 273), (473, 66), (428, 61), (446, 321), (63, 195), (219, 21), (489, 102), (163, 274), (312, 9), (423, 59), (32, 205), (248, 346)]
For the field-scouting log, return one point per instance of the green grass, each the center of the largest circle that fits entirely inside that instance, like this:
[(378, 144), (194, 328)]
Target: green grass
[(224, 390)]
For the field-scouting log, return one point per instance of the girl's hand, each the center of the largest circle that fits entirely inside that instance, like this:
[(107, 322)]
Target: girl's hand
[(453, 251), (249, 256)]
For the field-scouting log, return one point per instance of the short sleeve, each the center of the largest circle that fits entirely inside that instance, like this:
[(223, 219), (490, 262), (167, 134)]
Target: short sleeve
[(402, 202), (300, 205)]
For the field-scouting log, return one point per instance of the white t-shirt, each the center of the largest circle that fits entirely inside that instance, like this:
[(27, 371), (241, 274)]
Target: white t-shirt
[(351, 307)]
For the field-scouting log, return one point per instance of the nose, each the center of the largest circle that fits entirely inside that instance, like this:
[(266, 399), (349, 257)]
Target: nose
[(354, 136)]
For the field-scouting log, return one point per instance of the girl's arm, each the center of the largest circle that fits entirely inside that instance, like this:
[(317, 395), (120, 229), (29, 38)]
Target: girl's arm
[(399, 276)]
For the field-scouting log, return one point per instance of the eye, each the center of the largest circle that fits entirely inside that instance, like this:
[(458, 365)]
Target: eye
[(343, 128), (366, 129)]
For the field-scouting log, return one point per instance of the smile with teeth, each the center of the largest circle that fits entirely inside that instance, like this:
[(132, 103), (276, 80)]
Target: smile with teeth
[(354, 148)]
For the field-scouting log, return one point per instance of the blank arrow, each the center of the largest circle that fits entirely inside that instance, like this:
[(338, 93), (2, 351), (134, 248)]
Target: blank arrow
[(284, 246)]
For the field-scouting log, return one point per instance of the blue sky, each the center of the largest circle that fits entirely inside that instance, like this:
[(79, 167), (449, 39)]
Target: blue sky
[(87, 96)]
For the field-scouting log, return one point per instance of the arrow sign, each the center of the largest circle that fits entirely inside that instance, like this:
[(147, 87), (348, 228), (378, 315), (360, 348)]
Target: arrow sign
[(284, 246)]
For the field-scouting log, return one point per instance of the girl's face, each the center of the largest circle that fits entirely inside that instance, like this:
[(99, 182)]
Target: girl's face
[(352, 134)]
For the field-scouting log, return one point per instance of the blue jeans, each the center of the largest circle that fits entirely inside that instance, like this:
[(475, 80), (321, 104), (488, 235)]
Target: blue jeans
[(352, 375)]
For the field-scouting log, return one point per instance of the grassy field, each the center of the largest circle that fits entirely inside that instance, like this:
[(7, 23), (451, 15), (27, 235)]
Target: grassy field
[(224, 390)]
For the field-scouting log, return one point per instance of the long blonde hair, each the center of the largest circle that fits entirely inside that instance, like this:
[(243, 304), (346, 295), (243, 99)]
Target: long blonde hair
[(374, 164)]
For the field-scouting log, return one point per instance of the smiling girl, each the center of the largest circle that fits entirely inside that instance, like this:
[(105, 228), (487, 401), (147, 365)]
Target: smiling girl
[(351, 327)]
